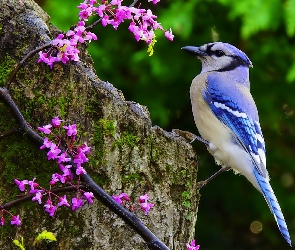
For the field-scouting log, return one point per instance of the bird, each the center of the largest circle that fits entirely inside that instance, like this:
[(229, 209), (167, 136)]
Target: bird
[(226, 116)]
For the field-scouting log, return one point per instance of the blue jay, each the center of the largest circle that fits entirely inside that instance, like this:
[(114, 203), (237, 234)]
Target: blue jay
[(226, 116)]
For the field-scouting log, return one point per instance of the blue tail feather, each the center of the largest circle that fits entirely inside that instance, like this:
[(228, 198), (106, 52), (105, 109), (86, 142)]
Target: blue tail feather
[(273, 204)]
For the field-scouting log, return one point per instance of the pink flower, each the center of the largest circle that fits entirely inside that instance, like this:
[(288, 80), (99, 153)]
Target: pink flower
[(58, 41), (66, 176), (38, 196), (42, 57), (105, 20), (63, 158), (76, 203), (146, 207), (63, 201), (111, 12), (80, 29), (54, 179), (21, 184), (53, 152), (116, 2), (100, 10), (80, 170), (122, 13), (144, 204), (46, 143), (192, 246), (71, 130), (149, 16), (137, 12), (169, 35), (2, 221), (49, 208), (85, 149), (70, 33), (51, 61), (119, 198), (33, 185), (82, 6), (80, 158), (89, 196), (143, 198), (85, 13), (62, 57), (15, 220), (154, 1), (89, 36), (45, 129)]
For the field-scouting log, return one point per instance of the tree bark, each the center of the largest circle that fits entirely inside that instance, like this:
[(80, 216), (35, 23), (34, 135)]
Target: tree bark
[(128, 153)]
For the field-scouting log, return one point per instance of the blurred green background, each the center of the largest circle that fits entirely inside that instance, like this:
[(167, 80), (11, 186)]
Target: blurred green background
[(265, 31)]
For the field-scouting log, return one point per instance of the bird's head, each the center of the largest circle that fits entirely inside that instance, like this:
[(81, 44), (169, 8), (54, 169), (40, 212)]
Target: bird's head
[(219, 56)]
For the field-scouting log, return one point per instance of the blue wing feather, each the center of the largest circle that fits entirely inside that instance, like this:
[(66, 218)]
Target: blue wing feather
[(243, 128), (242, 119), (243, 122)]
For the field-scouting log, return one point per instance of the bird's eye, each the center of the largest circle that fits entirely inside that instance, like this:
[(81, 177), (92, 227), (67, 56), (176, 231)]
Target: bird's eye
[(219, 53)]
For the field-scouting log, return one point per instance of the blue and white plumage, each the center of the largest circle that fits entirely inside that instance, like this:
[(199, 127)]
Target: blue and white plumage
[(226, 116)]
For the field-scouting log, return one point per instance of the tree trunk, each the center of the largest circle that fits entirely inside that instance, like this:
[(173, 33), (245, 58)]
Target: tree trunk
[(128, 153)]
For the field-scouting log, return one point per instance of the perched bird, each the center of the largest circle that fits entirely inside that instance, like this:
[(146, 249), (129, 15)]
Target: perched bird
[(226, 116)]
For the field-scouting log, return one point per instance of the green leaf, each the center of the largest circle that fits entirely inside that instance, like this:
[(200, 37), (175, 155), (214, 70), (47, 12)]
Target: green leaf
[(289, 11), (20, 245), (256, 15), (45, 236), (291, 74)]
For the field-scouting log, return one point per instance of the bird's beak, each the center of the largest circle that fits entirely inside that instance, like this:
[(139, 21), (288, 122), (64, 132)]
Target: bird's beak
[(195, 50)]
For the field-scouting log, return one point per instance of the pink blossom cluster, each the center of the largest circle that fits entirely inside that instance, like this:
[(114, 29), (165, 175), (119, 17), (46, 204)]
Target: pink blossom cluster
[(64, 47), (192, 246), (123, 199), (142, 22), (79, 153), (52, 204)]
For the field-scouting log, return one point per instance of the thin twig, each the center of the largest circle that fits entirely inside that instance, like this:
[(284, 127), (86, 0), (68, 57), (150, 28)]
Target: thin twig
[(91, 26), (30, 196), (9, 133), (21, 63), (134, 2)]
